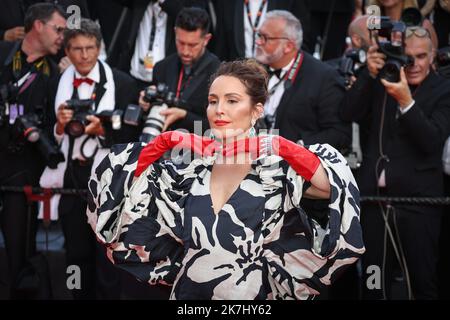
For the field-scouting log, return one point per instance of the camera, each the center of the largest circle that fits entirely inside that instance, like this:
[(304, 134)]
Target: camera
[(393, 48), (27, 127), (83, 108), (351, 63), (161, 98), (8, 95), (160, 95)]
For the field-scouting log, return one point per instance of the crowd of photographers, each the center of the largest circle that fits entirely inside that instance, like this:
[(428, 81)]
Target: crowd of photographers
[(380, 95)]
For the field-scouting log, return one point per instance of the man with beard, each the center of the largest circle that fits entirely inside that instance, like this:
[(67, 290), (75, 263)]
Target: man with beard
[(187, 72), (304, 93)]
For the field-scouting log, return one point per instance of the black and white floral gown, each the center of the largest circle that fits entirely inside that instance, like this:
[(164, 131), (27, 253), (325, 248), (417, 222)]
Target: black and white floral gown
[(161, 227)]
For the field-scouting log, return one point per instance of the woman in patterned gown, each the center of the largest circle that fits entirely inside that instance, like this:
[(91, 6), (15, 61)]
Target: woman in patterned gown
[(221, 219)]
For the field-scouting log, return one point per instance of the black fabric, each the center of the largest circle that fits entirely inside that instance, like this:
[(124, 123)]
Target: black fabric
[(79, 239), (418, 231), (308, 110), (442, 26), (335, 41)]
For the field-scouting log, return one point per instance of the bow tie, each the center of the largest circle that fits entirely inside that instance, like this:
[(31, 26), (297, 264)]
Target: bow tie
[(276, 73), (78, 81)]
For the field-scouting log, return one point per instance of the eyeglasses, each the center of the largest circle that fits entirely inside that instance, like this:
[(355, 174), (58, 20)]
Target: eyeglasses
[(265, 38), (58, 29), (417, 31)]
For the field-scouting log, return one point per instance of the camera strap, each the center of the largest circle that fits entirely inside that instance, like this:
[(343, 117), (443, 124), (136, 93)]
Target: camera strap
[(289, 78), (180, 85), (26, 80)]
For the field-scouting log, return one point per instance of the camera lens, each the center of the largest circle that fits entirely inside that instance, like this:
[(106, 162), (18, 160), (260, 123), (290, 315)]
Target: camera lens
[(75, 128), (391, 71), (31, 134), (153, 124)]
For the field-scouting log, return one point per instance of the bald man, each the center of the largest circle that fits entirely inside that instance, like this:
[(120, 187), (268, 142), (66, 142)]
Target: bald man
[(408, 122), (358, 33)]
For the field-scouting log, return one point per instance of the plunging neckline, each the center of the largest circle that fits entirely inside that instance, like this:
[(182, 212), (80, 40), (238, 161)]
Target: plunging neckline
[(250, 171)]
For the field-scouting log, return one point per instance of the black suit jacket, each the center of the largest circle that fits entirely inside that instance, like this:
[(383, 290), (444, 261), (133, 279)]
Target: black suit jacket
[(308, 110), (131, 28), (195, 94), (230, 43), (412, 142)]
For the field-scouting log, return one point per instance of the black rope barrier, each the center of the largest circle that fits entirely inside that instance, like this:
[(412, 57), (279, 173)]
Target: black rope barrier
[(434, 201), (41, 190)]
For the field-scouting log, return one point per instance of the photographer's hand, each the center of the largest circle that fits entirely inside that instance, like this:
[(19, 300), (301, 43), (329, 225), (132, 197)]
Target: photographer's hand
[(399, 90), (63, 116), (94, 128), (143, 104), (172, 115), (375, 61)]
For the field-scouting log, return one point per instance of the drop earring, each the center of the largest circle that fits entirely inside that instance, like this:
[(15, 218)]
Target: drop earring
[(252, 131)]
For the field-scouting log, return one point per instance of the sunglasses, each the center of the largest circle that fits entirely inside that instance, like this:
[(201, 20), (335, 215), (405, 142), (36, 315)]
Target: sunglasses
[(417, 31), (58, 29)]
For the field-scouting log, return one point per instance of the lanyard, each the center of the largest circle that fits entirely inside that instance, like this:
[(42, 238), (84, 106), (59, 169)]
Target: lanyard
[(180, 80), (153, 31), (292, 73), (258, 17)]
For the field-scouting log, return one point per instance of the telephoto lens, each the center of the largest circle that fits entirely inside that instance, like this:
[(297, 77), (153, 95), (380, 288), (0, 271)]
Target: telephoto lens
[(154, 123)]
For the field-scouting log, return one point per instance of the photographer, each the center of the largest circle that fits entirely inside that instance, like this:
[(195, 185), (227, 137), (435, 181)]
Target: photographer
[(25, 74), (354, 57), (409, 121), (88, 96), (187, 72)]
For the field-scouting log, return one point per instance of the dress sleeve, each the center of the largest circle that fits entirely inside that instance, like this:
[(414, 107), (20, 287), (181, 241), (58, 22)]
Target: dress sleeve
[(305, 256), (140, 219), (342, 230)]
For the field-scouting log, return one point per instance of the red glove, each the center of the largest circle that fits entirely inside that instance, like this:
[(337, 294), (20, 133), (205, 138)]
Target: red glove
[(170, 139), (303, 161)]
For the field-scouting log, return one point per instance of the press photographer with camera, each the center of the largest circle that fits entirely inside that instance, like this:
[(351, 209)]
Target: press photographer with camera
[(354, 58), (184, 74), (89, 100), (408, 123), (25, 127)]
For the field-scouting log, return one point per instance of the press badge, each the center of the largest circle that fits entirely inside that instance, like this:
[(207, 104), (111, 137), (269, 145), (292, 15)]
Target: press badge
[(148, 61), (13, 113)]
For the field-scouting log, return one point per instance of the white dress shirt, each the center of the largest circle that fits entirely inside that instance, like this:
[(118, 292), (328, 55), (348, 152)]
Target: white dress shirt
[(276, 88), (143, 41)]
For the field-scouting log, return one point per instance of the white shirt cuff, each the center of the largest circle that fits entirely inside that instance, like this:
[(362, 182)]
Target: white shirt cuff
[(58, 137), (405, 110)]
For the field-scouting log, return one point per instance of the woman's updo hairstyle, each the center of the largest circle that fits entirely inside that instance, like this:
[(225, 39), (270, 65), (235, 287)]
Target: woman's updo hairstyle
[(252, 75)]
